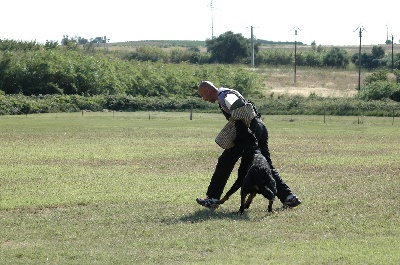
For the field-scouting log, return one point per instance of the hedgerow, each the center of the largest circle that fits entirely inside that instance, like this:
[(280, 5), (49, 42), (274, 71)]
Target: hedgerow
[(283, 105), (70, 72)]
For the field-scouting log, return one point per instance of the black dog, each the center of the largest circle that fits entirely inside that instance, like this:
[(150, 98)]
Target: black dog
[(258, 177)]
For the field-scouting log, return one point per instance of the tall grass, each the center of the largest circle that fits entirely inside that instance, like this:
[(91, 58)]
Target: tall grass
[(120, 188)]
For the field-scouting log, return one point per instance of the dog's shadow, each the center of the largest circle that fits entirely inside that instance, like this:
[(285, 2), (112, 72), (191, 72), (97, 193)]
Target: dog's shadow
[(204, 215)]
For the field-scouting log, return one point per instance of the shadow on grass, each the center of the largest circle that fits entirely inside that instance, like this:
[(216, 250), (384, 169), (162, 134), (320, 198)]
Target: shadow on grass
[(204, 215)]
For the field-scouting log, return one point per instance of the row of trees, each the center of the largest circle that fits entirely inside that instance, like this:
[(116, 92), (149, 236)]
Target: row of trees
[(228, 48), (30, 68), (334, 57), (321, 57), (234, 48)]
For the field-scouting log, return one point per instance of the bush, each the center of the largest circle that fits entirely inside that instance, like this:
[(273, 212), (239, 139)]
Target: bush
[(74, 72), (395, 94), (274, 57), (379, 90), (373, 60), (282, 105), (381, 75), (336, 58)]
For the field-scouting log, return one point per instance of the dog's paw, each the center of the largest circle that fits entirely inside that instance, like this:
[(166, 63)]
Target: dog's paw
[(247, 205), (241, 210)]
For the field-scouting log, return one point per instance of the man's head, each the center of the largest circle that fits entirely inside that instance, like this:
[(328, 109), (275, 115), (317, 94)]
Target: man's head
[(207, 91)]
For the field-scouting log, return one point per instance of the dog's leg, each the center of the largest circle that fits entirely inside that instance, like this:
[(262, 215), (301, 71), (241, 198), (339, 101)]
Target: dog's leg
[(224, 199), (250, 199), (242, 202), (270, 205)]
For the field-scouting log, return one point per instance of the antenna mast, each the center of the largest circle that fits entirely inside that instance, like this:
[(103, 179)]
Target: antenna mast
[(212, 20)]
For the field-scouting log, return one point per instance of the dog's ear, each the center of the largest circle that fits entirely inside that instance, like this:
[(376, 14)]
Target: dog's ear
[(250, 138), (271, 184)]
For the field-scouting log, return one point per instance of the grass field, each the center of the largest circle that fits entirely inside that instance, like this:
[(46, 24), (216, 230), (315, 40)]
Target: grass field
[(120, 188)]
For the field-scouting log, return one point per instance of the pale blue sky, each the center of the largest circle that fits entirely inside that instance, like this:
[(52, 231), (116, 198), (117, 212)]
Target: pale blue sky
[(325, 22)]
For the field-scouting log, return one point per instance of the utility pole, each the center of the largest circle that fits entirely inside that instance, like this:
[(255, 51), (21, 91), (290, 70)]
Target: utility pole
[(212, 20), (295, 51), (387, 35), (392, 53), (360, 29), (252, 47)]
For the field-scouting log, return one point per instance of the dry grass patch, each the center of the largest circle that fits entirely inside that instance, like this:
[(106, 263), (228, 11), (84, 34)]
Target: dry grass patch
[(325, 82)]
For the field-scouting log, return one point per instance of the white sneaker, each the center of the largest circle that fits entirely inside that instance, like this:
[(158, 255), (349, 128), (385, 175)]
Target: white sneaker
[(210, 203)]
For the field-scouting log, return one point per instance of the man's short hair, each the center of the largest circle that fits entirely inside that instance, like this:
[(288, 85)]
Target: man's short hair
[(208, 83)]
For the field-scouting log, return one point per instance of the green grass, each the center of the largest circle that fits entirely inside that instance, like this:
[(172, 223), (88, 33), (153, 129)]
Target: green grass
[(120, 188)]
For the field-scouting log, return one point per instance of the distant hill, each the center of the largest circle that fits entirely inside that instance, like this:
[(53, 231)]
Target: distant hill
[(195, 43), (268, 42), (164, 43), (265, 44)]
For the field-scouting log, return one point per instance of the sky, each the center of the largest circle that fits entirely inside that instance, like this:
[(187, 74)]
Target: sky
[(325, 22)]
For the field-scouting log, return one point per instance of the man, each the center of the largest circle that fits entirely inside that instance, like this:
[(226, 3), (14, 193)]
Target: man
[(235, 107)]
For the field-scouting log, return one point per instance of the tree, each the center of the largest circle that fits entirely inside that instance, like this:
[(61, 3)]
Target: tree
[(49, 45), (313, 45), (336, 58), (73, 42), (378, 52), (228, 48), (82, 40), (372, 60), (70, 43)]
